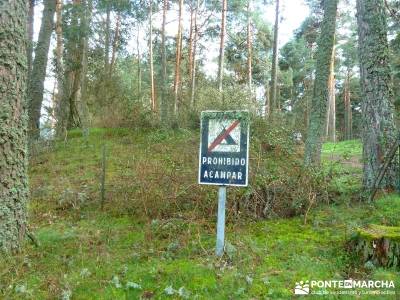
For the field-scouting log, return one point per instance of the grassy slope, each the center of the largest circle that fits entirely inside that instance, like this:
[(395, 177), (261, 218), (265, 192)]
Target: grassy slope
[(96, 254)]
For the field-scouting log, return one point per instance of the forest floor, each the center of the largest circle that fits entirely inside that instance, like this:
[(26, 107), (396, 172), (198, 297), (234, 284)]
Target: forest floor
[(125, 251)]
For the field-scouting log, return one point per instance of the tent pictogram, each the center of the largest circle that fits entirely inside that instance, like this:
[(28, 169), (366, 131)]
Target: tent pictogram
[(225, 138)]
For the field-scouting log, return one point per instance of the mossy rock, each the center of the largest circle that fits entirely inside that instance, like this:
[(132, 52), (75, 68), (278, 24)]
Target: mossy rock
[(377, 244)]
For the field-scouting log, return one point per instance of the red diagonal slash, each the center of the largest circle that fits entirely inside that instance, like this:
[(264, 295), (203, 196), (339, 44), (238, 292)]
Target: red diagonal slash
[(223, 135)]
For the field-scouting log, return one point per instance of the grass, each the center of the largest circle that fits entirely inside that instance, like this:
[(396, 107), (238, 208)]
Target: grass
[(343, 161), (344, 148), (87, 253)]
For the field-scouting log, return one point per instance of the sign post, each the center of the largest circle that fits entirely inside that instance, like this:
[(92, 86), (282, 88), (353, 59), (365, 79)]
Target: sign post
[(221, 221), (223, 157)]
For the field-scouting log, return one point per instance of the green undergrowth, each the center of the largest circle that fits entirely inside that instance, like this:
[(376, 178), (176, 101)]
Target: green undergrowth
[(346, 149), (141, 251), (342, 163)]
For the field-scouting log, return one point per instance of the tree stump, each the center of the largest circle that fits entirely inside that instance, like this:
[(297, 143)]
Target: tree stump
[(377, 244)]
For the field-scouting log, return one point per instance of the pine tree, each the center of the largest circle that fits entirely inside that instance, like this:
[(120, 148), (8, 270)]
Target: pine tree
[(36, 82), (378, 129), (13, 124), (164, 108), (316, 129), (178, 55), (274, 71), (222, 45)]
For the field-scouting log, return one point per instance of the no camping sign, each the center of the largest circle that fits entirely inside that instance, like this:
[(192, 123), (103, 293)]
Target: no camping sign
[(224, 148)]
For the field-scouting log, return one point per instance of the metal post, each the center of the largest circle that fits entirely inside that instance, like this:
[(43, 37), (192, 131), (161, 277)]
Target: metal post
[(221, 221)]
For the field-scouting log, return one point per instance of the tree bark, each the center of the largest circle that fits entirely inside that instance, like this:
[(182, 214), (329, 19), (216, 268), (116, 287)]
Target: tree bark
[(316, 128), (376, 244), (13, 124), (222, 46), (74, 110), (178, 59), (153, 91), (193, 74), (267, 101), (331, 114), (164, 107), (249, 49), (191, 34), (347, 108), (107, 38), (115, 44), (36, 82), (59, 68), (31, 15), (378, 129), (139, 59), (274, 70)]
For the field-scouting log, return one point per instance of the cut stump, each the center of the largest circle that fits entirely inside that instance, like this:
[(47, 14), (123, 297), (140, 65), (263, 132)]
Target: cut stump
[(377, 244)]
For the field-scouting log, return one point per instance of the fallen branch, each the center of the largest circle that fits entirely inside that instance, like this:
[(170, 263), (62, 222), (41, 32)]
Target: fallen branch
[(382, 171), (32, 238)]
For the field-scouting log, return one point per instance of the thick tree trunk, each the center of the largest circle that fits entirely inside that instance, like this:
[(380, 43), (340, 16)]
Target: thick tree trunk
[(78, 109), (36, 82), (13, 124), (164, 107), (222, 45), (107, 38), (31, 15), (378, 129), (249, 49), (274, 70), (319, 102), (331, 114), (178, 59), (115, 44), (73, 107), (153, 91)]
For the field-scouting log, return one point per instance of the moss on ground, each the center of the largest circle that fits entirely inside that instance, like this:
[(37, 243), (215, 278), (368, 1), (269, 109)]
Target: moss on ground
[(88, 253), (375, 232)]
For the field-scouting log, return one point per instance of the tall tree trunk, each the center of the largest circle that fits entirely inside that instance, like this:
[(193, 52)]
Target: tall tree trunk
[(193, 69), (115, 43), (107, 37), (36, 82), (153, 91), (267, 102), (331, 114), (307, 105), (164, 107), (378, 129), (274, 70), (31, 16), (249, 49), (190, 47), (321, 92), (139, 61), (13, 125), (178, 59), (222, 45), (59, 69), (77, 104), (347, 108)]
